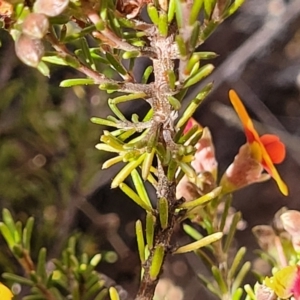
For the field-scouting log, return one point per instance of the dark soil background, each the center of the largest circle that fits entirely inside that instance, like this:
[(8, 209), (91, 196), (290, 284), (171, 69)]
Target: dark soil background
[(259, 56)]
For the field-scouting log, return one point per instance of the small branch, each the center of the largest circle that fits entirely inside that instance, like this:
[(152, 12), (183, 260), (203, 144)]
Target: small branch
[(127, 87)]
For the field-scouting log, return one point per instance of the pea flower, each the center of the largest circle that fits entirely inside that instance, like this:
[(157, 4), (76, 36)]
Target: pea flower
[(285, 282), (258, 154)]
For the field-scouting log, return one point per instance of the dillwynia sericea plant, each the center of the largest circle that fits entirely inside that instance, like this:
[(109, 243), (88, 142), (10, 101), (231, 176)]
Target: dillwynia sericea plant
[(104, 40)]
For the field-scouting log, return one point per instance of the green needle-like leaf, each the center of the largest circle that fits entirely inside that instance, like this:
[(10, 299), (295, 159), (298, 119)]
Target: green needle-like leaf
[(157, 261), (134, 196), (201, 243), (140, 240), (140, 188)]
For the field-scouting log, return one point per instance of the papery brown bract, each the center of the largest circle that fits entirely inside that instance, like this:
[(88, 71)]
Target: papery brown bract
[(265, 236), (131, 8), (263, 292), (244, 170), (29, 50), (35, 25), (50, 8), (291, 223)]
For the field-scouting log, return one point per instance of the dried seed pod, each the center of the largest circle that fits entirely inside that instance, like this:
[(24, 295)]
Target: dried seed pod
[(36, 25), (50, 8), (29, 50)]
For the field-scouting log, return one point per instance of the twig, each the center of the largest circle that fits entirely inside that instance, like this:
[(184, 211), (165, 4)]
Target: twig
[(127, 87)]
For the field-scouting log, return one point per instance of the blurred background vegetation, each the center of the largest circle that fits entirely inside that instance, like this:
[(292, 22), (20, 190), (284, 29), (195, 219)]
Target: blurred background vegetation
[(50, 169)]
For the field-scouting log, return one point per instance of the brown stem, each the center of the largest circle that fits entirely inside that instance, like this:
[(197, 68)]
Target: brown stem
[(166, 189), (28, 266)]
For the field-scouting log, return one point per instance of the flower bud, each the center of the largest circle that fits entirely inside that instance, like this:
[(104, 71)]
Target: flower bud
[(35, 25), (50, 8), (29, 50), (291, 222)]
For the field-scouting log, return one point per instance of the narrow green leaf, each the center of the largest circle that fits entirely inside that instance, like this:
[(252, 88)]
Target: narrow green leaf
[(10, 223), (95, 260), (134, 196), (93, 290), (236, 262), (153, 14), (174, 102), (147, 164), (201, 74), (225, 212), (163, 208), (179, 13), (86, 53), (237, 294), (27, 232), (112, 141), (116, 63), (202, 200), (150, 220), (77, 81), (220, 280), (181, 46), (140, 240), (194, 105), (113, 294), (9, 238), (172, 169), (209, 6), (107, 148), (241, 276), (163, 24), (123, 174), (188, 170), (147, 74), (249, 290), (43, 69), (201, 243), (102, 295), (112, 161), (131, 54), (233, 8), (109, 86), (140, 188), (192, 232), (104, 122), (195, 11), (194, 38), (157, 261), (17, 279), (72, 37), (41, 264), (171, 11), (236, 218), (55, 60)]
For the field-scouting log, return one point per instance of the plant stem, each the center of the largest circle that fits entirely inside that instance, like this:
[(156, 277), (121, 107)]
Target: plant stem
[(163, 118), (166, 189)]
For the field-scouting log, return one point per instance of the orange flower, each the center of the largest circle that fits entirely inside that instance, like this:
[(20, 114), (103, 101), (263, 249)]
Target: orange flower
[(267, 149)]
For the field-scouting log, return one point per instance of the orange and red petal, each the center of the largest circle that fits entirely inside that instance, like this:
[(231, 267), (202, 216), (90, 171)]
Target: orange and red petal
[(250, 131), (276, 150), (274, 147)]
